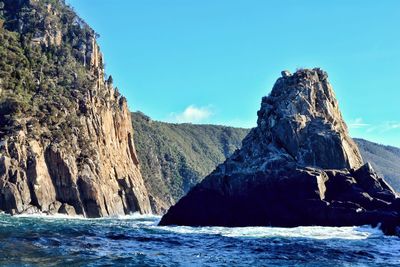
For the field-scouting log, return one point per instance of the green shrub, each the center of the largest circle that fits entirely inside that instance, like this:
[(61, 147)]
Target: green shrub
[(13, 106)]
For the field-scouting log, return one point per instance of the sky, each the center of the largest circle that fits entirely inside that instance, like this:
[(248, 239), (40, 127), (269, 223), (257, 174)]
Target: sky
[(211, 61)]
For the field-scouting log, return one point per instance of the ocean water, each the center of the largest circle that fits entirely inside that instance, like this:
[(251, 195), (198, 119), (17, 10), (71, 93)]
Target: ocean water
[(138, 241)]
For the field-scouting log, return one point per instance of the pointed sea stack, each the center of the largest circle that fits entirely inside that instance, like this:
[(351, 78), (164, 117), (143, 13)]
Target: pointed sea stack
[(298, 167)]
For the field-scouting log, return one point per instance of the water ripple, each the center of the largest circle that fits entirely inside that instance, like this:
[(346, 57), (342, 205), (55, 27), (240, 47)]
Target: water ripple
[(138, 241)]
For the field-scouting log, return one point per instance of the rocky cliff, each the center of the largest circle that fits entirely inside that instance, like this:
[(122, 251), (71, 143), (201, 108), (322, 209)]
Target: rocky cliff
[(66, 138), (175, 157), (297, 167)]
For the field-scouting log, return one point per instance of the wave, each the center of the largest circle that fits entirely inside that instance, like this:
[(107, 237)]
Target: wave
[(314, 232), (49, 216), (151, 221), (133, 216), (137, 239), (58, 216)]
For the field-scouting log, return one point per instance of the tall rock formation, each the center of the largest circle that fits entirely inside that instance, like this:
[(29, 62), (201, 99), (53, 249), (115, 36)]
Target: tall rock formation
[(66, 138), (297, 167)]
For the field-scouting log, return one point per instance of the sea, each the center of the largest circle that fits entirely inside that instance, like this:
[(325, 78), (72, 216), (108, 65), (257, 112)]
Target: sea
[(137, 240)]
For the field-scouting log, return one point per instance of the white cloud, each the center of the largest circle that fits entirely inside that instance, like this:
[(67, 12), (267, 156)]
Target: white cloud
[(384, 127), (381, 127), (192, 114), (390, 125), (358, 123), (395, 125)]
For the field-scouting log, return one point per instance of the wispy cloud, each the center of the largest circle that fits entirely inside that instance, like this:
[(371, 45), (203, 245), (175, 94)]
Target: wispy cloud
[(358, 123), (192, 114), (385, 126), (390, 125), (381, 127)]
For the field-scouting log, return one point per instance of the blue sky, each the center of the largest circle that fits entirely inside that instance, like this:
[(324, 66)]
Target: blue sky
[(211, 61)]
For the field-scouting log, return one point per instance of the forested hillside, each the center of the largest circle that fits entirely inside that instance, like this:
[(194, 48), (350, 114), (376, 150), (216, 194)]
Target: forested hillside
[(385, 159), (175, 157)]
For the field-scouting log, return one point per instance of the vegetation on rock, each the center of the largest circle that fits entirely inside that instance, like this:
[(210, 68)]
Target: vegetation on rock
[(43, 70)]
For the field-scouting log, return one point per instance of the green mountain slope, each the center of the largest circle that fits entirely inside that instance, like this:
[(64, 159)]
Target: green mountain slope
[(385, 159), (175, 157)]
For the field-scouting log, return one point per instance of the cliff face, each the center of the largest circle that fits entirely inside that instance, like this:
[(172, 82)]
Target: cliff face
[(175, 157), (66, 138), (297, 167)]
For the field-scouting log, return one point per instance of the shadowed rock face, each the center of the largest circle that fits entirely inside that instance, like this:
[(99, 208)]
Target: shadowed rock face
[(297, 167)]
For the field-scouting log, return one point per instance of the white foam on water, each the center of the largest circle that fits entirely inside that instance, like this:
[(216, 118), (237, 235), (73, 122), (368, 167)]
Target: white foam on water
[(314, 232), (50, 216), (135, 219), (133, 216)]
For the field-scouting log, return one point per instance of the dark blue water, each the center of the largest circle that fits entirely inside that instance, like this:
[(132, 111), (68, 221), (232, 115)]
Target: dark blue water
[(138, 241)]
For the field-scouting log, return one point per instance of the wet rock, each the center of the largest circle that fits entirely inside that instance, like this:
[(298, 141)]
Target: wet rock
[(67, 210)]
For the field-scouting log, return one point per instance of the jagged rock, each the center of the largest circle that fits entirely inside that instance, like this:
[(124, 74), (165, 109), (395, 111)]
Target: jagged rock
[(298, 167), (285, 73), (40, 173), (67, 210)]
